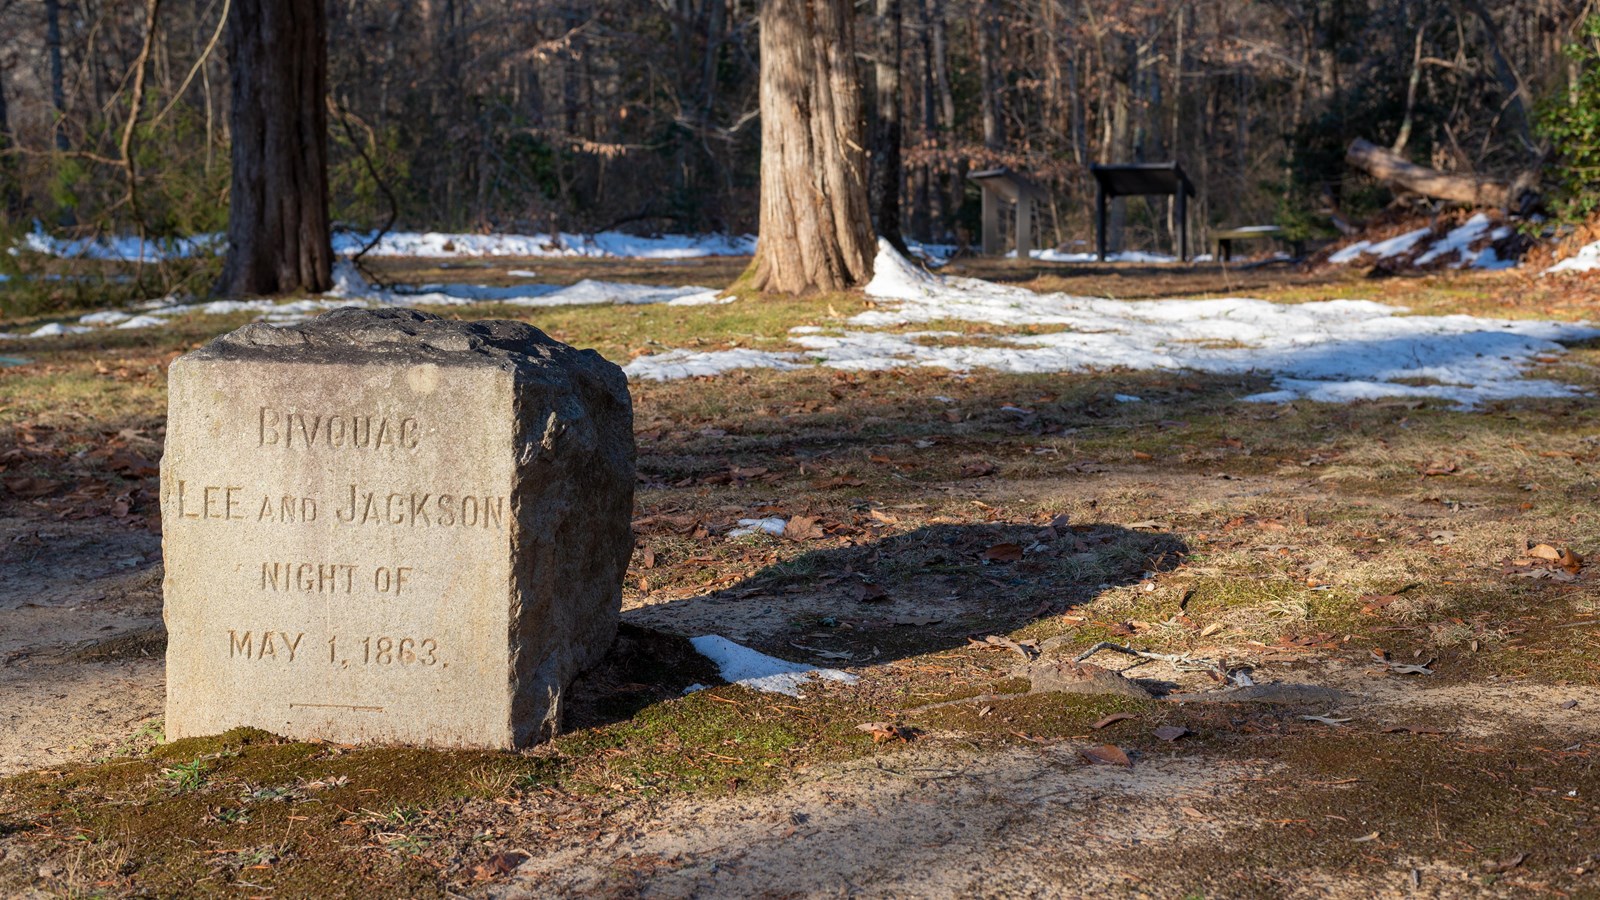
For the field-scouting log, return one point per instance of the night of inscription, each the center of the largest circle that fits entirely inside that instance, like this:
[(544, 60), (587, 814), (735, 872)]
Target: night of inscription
[(333, 578), (291, 430)]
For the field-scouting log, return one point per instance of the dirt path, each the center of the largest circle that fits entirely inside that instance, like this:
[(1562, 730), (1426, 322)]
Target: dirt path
[(920, 823), (80, 640)]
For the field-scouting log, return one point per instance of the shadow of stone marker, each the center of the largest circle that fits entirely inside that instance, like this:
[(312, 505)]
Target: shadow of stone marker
[(380, 525)]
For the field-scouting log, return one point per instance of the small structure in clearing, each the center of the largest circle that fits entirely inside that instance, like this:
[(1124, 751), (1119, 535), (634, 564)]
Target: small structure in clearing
[(1142, 179), (1005, 186)]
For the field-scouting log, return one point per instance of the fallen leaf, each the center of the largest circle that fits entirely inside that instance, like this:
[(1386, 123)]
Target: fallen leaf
[(1373, 602), (497, 865), (1504, 865), (1142, 456), (1211, 629), (802, 528), (1106, 755), (1326, 720), (30, 488), (884, 517), (1365, 838), (1003, 553), (977, 469), (132, 465), (867, 592), (1170, 733), (1112, 720), (1150, 524), (1546, 552), (886, 731)]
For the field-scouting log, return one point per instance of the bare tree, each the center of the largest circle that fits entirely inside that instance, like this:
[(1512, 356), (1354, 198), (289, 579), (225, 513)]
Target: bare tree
[(816, 226)]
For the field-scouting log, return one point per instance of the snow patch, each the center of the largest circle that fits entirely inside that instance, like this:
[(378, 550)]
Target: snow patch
[(431, 244), (440, 245), (772, 525), (1334, 351), (758, 671), (1587, 259), (119, 248), (689, 364), (1394, 246), (56, 329), (1124, 256), (1455, 248), (144, 321)]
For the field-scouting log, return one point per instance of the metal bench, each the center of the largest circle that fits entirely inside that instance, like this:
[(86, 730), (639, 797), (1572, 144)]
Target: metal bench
[(1225, 239)]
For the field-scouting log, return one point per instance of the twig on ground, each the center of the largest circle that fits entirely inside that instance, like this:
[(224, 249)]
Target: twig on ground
[(1181, 662), (980, 698)]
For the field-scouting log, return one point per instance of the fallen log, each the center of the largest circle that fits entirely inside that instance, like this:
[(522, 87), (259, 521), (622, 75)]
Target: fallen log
[(1474, 190)]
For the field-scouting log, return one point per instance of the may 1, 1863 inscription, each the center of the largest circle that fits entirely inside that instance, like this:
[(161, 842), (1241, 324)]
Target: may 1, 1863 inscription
[(386, 526)]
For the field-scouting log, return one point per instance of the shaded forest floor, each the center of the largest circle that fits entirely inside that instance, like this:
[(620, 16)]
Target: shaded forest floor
[(1339, 546)]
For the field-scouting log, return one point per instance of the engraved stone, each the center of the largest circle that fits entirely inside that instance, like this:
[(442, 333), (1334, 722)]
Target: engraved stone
[(380, 525)]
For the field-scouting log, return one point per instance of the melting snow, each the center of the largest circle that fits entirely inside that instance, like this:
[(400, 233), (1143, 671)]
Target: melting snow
[(412, 243), (741, 665), (1456, 243), (1383, 249), (55, 329), (1128, 256), (771, 525), (120, 249), (1585, 260), (351, 289), (1335, 351), (603, 244)]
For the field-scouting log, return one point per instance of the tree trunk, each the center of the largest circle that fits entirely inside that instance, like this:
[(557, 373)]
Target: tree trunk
[(816, 223), (1395, 171), (58, 90), (1517, 101), (10, 187), (991, 105), (887, 171), (278, 238)]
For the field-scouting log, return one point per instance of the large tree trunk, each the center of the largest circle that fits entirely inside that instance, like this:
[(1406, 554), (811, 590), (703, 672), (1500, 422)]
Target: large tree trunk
[(887, 171), (816, 225), (1396, 171), (278, 238)]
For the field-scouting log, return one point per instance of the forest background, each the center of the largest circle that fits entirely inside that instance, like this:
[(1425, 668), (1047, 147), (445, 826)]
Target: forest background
[(542, 115)]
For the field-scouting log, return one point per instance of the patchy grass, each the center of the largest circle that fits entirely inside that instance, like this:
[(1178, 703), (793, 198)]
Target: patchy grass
[(1035, 507)]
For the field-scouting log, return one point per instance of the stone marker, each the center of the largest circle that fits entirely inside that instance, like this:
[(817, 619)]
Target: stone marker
[(387, 526)]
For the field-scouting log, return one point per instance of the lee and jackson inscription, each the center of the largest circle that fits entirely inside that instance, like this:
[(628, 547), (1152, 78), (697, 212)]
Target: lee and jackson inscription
[(386, 526)]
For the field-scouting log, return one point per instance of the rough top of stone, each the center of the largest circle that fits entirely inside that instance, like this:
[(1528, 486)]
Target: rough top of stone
[(357, 335)]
